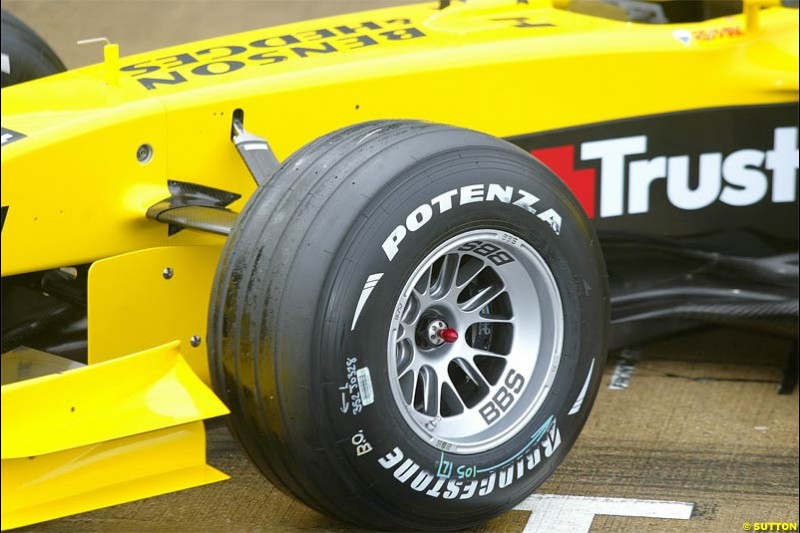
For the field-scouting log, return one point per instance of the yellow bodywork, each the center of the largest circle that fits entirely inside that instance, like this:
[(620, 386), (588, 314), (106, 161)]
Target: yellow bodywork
[(498, 67), (133, 305), (126, 426), (104, 434), (77, 194)]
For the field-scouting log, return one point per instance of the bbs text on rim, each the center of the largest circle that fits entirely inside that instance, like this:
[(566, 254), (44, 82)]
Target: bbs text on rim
[(475, 341)]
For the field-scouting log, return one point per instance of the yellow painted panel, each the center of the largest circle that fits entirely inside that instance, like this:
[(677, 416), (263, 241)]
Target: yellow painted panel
[(58, 484), (138, 393), (77, 193), (132, 305)]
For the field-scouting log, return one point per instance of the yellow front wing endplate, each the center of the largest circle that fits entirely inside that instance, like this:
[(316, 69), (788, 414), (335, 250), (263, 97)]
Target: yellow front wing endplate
[(103, 434)]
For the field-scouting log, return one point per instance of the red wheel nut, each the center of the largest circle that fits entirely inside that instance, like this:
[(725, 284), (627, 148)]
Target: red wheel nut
[(448, 335)]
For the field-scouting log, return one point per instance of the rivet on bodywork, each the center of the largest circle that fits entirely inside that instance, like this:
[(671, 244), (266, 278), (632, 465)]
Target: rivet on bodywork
[(167, 273), (144, 153), (195, 341)]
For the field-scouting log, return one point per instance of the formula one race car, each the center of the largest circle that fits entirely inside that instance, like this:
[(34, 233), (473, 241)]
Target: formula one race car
[(396, 244)]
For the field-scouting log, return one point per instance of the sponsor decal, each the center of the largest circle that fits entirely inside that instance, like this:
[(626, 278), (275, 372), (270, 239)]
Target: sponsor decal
[(548, 428), (275, 48), (492, 252), (496, 406), (269, 50), (686, 37), (617, 176), (683, 36), (479, 192), (713, 34), (450, 481), (8, 136)]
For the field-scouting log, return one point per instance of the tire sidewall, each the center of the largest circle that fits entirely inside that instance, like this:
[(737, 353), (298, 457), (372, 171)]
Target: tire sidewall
[(369, 440)]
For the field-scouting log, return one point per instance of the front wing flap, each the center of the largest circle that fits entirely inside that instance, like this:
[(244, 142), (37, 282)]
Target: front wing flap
[(108, 433)]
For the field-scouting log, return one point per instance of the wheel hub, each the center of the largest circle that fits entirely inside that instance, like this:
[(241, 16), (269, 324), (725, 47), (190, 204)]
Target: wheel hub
[(435, 332), (475, 346)]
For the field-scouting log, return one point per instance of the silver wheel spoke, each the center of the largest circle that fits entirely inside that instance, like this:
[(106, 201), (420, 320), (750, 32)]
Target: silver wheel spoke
[(472, 372), (430, 391), (489, 320), (484, 353), (405, 356), (468, 269), (447, 276), (408, 384), (423, 286), (412, 310), (483, 298)]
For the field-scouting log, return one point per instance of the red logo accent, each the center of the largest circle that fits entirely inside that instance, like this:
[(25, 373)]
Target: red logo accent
[(583, 183)]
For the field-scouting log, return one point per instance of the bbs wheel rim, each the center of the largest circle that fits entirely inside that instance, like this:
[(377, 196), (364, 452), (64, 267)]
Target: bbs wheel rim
[(475, 341)]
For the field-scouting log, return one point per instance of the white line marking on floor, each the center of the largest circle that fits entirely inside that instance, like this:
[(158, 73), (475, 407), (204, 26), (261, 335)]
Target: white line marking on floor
[(574, 514)]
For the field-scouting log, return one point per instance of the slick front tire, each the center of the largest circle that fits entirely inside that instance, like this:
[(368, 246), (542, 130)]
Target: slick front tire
[(25, 55), (408, 325)]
